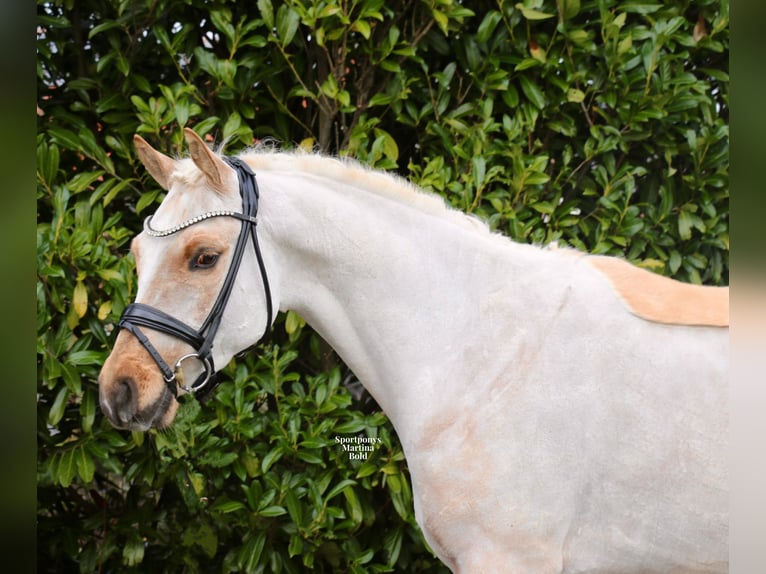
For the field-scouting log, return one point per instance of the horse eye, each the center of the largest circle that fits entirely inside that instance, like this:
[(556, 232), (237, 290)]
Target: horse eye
[(203, 260)]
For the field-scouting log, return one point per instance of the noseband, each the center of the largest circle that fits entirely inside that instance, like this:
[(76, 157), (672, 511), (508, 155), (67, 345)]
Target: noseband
[(138, 314)]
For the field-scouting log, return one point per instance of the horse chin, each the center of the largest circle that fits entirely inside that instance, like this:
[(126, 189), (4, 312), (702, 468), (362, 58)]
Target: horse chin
[(161, 414)]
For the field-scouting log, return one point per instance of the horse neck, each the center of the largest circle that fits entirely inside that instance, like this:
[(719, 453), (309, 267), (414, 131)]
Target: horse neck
[(394, 289)]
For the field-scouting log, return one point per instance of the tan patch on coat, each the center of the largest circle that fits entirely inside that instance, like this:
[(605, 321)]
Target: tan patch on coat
[(663, 300)]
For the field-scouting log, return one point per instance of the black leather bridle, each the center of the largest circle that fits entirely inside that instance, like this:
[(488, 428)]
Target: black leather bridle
[(138, 314)]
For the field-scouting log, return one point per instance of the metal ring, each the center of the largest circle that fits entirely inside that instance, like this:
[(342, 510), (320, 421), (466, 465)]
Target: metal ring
[(179, 376)]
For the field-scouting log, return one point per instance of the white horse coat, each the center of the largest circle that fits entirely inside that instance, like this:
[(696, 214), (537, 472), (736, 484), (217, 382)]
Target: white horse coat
[(547, 427)]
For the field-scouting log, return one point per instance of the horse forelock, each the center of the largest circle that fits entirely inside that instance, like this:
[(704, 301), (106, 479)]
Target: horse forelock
[(186, 174), (189, 195)]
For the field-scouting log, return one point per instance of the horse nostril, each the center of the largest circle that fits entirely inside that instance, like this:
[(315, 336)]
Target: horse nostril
[(124, 400)]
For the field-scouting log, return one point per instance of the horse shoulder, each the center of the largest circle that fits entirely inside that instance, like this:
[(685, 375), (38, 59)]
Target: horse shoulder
[(663, 300)]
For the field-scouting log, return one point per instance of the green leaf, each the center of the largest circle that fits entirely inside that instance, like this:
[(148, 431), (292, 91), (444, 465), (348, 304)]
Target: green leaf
[(221, 19), (146, 199), (531, 14), (391, 468), (533, 93), (103, 27), (80, 299), (267, 12), (338, 488), (366, 469), (525, 64), (163, 37), (575, 95), (203, 536), (578, 36), (293, 322), (111, 275), (688, 220), (295, 548), (537, 178), (287, 24), (387, 144), (625, 44), (393, 545), (640, 7), (674, 262), (65, 137), (394, 483), (182, 112), (310, 457), (479, 171), (273, 456), (363, 27), (85, 465), (197, 482), (349, 427), (227, 506), (569, 8), (232, 125), (133, 550), (227, 70), (313, 443), (442, 20), (66, 467), (206, 125), (329, 87), (353, 505), (48, 163), (88, 411), (487, 27), (294, 507), (56, 411), (85, 357), (271, 511), (252, 550), (380, 99)]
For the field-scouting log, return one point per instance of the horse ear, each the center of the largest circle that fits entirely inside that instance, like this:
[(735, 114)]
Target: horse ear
[(157, 164), (215, 169)]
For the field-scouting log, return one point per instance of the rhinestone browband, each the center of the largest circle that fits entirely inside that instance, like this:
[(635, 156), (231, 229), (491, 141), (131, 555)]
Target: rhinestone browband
[(189, 222)]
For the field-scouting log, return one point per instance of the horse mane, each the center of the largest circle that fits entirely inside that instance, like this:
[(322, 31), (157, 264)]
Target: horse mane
[(351, 172)]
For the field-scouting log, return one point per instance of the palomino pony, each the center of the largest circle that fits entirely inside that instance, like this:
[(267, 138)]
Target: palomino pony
[(559, 412)]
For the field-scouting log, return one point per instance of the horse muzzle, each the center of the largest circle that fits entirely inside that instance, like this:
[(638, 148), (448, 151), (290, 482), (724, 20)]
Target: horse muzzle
[(132, 392)]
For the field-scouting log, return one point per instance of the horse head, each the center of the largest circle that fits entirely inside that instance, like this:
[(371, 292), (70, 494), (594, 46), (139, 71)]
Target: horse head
[(192, 311)]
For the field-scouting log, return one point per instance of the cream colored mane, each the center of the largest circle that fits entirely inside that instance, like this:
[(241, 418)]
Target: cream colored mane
[(351, 172)]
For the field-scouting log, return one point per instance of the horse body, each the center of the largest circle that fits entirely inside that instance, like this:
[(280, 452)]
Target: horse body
[(546, 427)]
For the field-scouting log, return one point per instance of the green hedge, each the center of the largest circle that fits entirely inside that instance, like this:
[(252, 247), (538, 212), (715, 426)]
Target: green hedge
[(598, 124)]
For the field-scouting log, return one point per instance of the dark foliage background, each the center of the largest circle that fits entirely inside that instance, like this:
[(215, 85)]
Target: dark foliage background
[(598, 124)]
